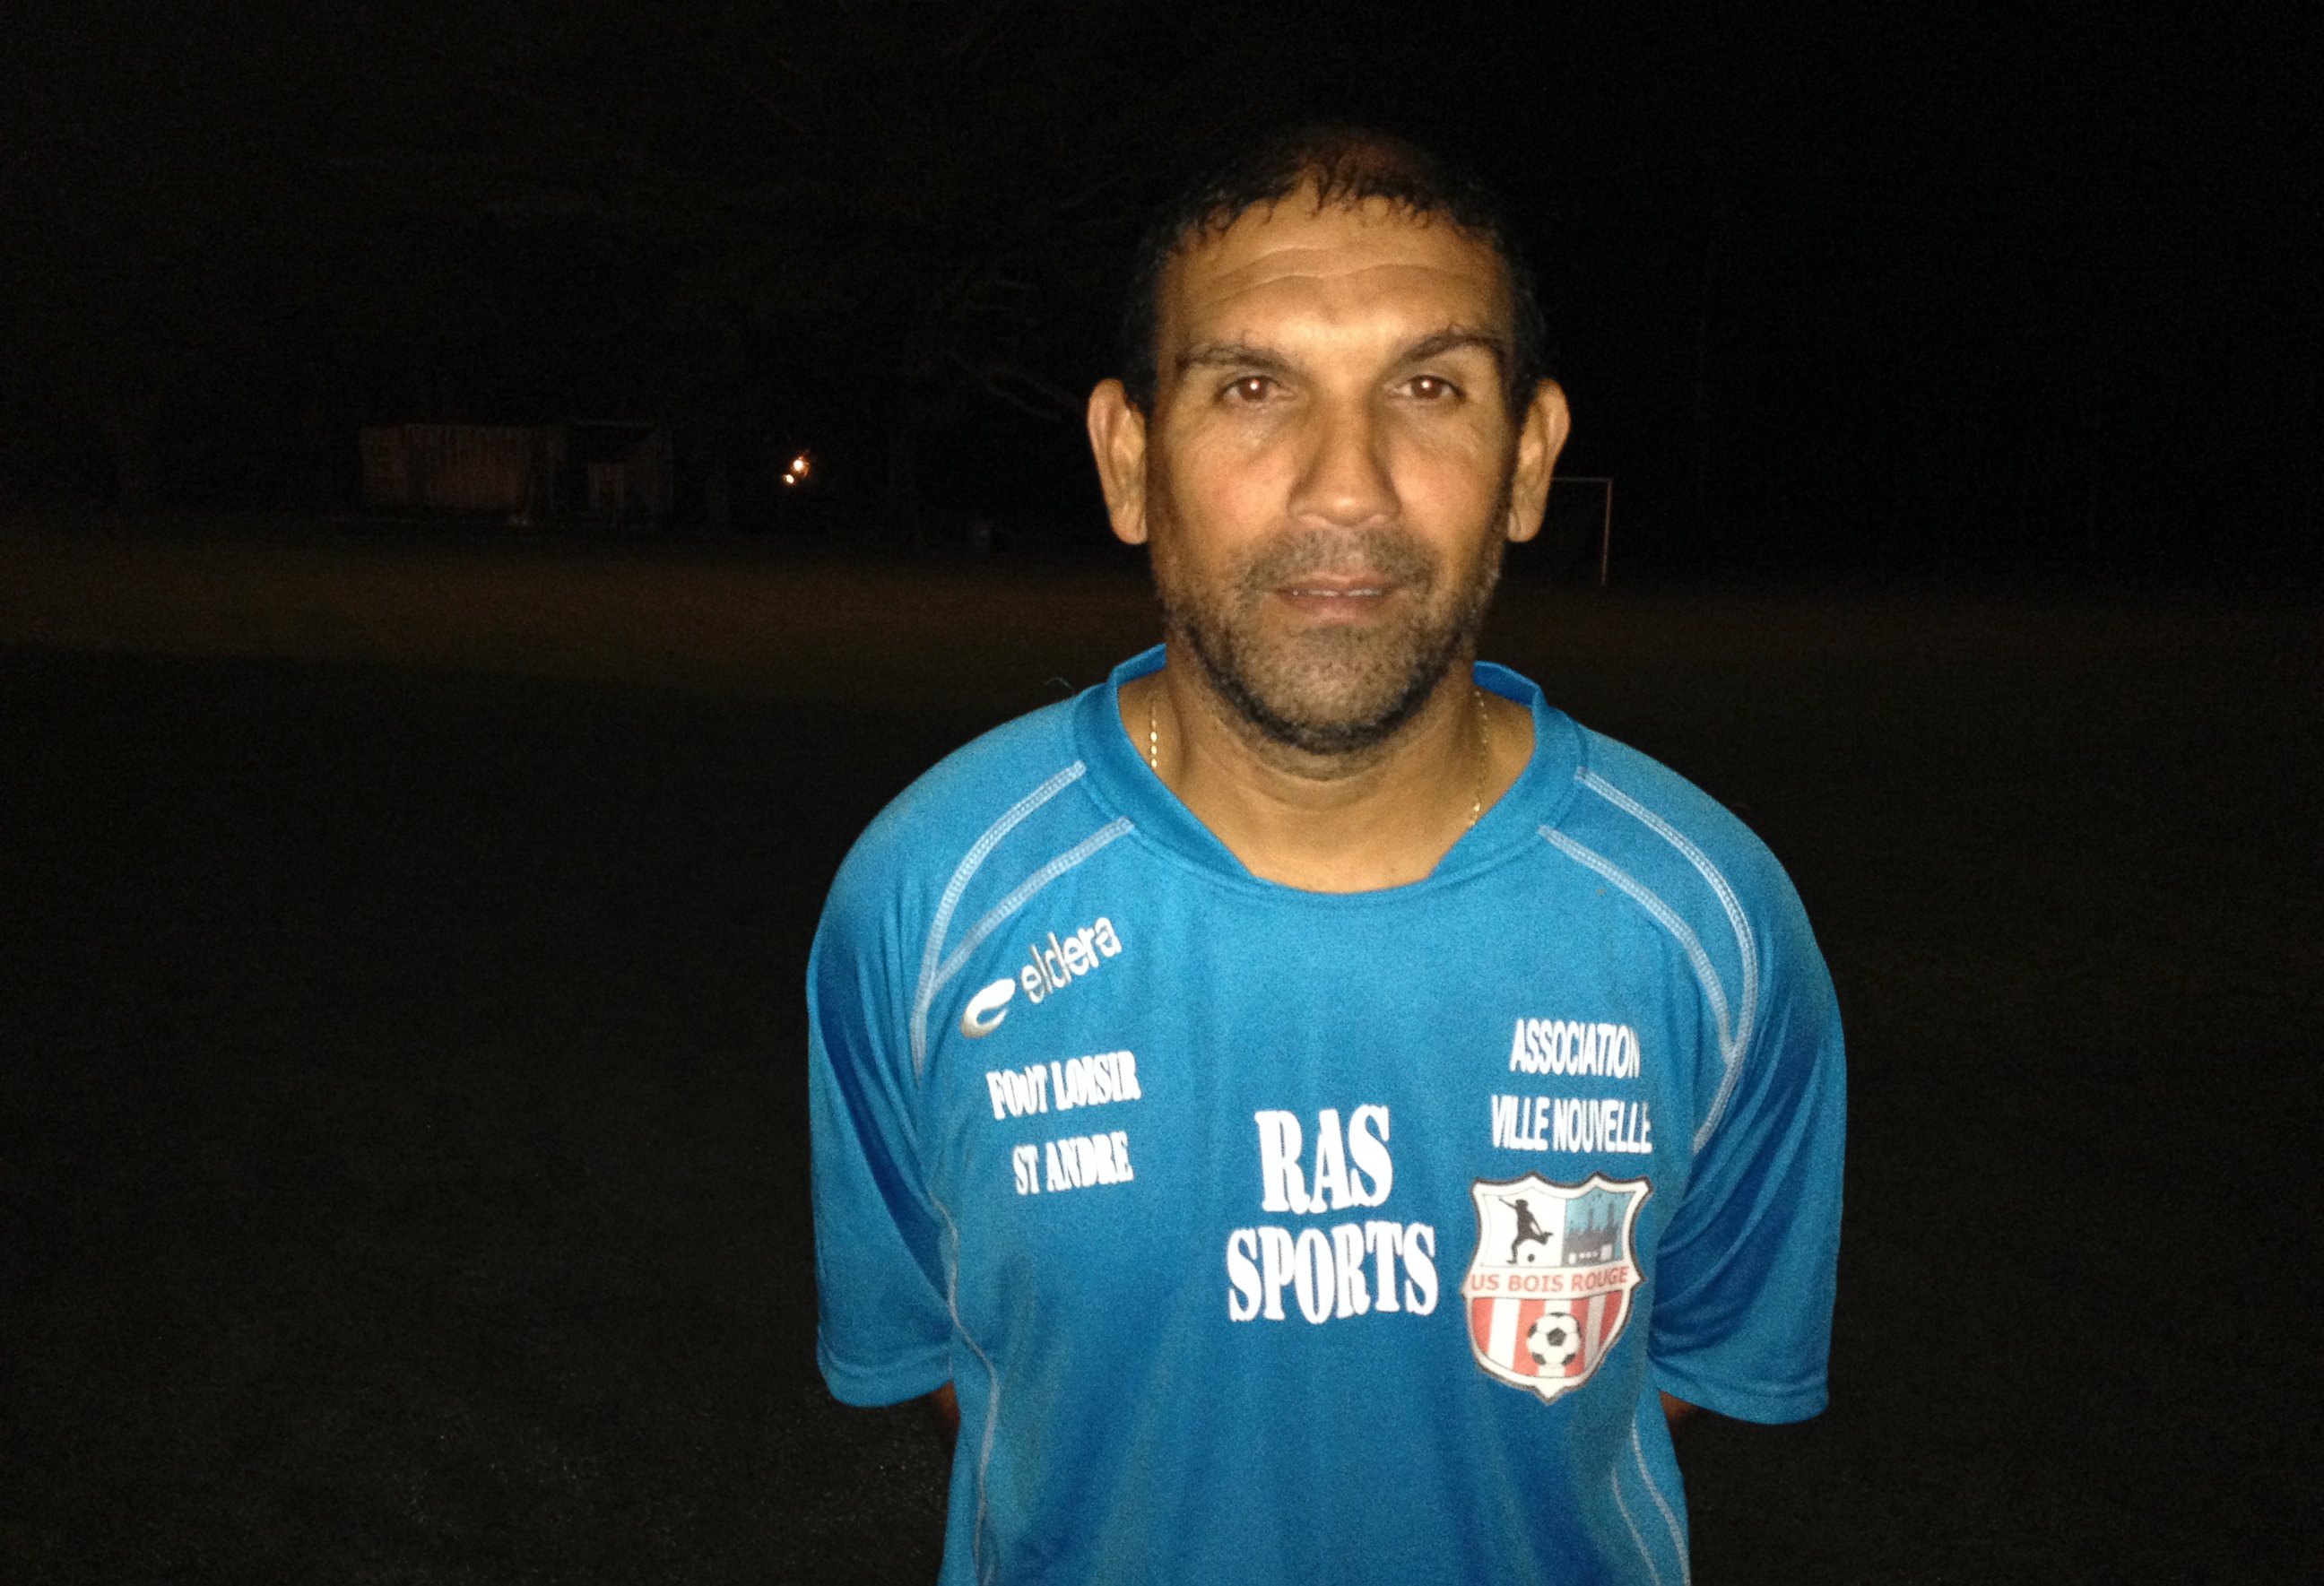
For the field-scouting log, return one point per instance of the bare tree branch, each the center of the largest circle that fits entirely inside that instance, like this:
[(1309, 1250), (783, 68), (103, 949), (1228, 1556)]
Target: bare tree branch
[(1057, 402)]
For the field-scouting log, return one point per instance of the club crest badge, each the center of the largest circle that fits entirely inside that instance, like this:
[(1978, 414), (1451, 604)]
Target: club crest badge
[(1548, 1291)]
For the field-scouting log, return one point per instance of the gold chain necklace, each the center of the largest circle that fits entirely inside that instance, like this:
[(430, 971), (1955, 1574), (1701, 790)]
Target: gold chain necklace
[(1484, 745)]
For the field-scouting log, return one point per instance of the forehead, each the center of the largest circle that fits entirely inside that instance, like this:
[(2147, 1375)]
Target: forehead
[(1293, 269)]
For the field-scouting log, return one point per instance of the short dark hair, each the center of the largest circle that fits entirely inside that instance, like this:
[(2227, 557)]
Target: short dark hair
[(1341, 165)]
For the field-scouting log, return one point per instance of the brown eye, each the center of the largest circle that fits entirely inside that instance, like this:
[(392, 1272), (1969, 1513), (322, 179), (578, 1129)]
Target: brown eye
[(1251, 388), (1433, 387)]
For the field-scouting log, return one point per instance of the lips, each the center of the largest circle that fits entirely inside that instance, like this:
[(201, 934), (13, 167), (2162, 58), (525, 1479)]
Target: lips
[(1316, 587), (1337, 601), (1341, 575)]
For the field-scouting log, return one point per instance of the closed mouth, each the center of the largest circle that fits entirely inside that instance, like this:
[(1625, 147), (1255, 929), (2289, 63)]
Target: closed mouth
[(1337, 589)]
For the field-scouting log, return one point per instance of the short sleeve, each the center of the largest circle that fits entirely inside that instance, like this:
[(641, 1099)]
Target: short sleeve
[(884, 1329), (1747, 1267)]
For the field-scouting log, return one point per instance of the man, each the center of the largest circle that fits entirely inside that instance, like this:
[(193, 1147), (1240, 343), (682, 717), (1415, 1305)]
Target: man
[(1307, 1107)]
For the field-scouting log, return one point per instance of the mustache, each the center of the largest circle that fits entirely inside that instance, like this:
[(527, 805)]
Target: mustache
[(1394, 555)]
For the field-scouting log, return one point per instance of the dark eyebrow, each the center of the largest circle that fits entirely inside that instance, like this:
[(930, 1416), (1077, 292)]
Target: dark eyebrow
[(1232, 354), (1452, 338), (1243, 354)]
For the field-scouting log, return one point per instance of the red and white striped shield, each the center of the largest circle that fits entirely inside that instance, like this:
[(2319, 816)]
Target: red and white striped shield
[(1549, 1288)]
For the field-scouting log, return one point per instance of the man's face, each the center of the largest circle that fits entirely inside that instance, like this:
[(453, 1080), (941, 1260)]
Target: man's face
[(1328, 472)]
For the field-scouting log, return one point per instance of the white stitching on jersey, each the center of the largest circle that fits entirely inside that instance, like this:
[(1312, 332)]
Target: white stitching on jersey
[(933, 979), (1678, 1542), (999, 913), (991, 1404), (1746, 942), (1614, 1481), (929, 984), (1684, 935)]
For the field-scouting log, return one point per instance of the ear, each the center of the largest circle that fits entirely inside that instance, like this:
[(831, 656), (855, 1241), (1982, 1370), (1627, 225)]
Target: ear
[(1117, 432), (1541, 436)]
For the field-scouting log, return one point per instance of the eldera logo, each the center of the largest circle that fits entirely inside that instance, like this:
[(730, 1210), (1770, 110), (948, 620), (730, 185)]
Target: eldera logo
[(1051, 968), (1060, 963)]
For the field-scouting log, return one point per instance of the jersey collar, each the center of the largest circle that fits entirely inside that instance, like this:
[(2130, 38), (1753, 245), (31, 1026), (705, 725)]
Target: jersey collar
[(1121, 778)]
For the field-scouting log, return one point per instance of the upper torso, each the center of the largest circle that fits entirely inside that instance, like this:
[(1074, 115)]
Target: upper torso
[(1275, 1228)]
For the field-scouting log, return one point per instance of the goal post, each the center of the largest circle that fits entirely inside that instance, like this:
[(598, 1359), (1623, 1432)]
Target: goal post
[(1604, 485)]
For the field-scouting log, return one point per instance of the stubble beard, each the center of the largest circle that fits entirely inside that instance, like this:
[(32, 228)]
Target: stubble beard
[(1330, 691)]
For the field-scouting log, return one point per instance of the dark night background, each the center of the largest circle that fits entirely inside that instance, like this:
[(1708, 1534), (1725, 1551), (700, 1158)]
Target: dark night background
[(401, 918), (1977, 292)]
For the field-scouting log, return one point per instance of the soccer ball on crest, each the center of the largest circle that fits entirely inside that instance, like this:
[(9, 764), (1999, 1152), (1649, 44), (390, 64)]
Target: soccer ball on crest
[(1552, 1342)]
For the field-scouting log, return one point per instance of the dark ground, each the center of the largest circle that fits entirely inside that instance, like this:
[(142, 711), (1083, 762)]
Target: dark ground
[(402, 1124)]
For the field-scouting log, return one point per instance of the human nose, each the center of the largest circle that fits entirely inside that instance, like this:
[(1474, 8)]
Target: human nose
[(1345, 480)]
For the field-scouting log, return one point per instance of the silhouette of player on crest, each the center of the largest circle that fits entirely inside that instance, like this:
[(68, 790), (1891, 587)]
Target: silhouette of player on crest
[(1527, 1229)]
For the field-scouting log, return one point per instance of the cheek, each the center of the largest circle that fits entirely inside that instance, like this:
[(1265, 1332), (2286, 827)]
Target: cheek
[(1449, 481), (1228, 489)]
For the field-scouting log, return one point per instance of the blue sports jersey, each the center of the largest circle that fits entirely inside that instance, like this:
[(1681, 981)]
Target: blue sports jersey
[(1277, 1236)]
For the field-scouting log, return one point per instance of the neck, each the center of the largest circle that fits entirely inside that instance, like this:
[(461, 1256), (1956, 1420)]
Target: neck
[(1381, 816)]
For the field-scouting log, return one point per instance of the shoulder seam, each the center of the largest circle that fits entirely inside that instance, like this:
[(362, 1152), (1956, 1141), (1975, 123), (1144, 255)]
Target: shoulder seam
[(932, 953), (1664, 916), (1747, 941), (1730, 1051), (1022, 894)]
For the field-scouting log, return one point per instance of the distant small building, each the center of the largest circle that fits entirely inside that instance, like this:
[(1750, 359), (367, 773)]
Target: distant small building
[(525, 473)]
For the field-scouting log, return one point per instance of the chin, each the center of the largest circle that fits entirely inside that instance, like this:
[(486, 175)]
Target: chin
[(1329, 698)]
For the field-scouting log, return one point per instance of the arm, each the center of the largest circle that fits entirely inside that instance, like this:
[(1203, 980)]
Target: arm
[(883, 1328), (1675, 1410), (1742, 1324), (943, 1413)]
